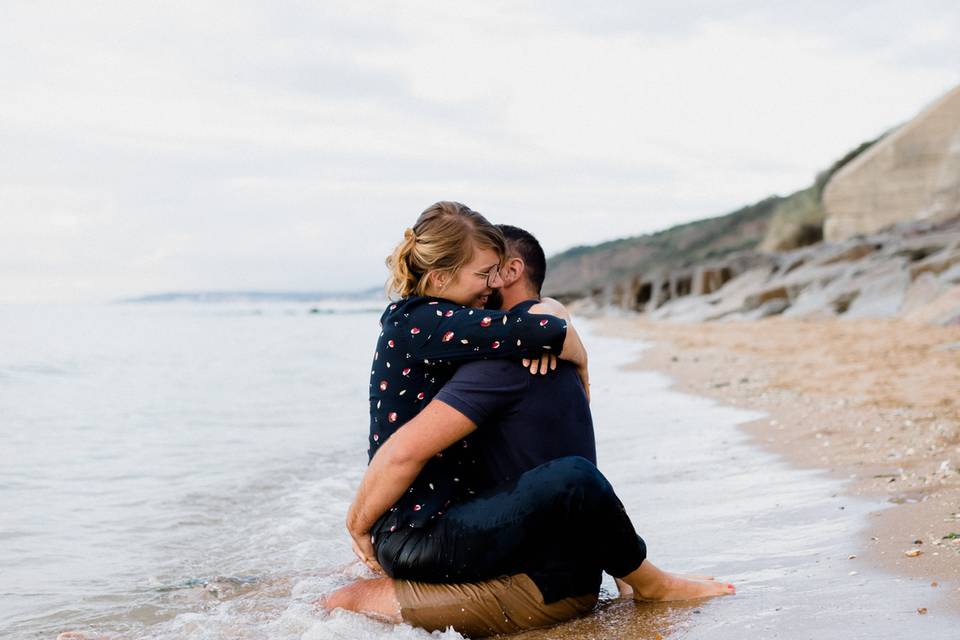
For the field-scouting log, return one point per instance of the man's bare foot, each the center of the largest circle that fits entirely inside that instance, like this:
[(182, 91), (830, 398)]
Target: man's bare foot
[(651, 584), (626, 591), (676, 588)]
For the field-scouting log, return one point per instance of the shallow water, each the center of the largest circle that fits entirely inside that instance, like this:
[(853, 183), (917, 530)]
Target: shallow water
[(182, 471)]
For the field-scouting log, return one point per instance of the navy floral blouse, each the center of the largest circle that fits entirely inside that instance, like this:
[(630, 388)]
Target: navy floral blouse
[(422, 341)]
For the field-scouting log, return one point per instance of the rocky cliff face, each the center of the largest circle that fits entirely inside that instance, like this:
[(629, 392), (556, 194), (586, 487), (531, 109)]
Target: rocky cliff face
[(911, 174), (911, 270)]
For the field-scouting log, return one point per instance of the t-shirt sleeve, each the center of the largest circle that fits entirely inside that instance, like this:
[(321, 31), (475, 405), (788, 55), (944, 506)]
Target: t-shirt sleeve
[(484, 389), (444, 331)]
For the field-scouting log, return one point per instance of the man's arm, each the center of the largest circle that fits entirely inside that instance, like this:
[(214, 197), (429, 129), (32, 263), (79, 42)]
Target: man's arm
[(397, 464)]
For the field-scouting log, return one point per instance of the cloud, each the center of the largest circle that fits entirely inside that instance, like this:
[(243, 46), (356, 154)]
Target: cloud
[(185, 145)]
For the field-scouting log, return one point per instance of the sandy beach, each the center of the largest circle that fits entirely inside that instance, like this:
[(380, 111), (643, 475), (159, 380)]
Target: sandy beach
[(875, 402)]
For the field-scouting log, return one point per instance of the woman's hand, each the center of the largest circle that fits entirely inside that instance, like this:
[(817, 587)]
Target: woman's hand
[(551, 307), (363, 548), (546, 362)]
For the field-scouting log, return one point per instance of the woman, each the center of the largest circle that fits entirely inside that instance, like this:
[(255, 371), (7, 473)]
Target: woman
[(436, 529), (444, 270)]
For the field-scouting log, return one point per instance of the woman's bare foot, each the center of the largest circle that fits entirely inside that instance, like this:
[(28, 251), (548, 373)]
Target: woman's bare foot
[(376, 597), (651, 584)]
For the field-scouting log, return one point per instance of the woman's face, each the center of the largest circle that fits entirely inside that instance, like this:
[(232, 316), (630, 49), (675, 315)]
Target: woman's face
[(475, 281)]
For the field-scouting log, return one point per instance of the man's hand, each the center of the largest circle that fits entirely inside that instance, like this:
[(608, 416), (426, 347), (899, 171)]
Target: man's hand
[(396, 465), (363, 548), (546, 361)]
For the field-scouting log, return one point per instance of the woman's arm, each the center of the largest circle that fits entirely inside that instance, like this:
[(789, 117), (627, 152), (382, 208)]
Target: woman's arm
[(440, 330), (573, 349), (396, 465)]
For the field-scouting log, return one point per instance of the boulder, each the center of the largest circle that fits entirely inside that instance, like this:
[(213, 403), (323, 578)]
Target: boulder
[(880, 291), (756, 300), (921, 292), (943, 310), (824, 299), (767, 309), (852, 253), (951, 275), (937, 263)]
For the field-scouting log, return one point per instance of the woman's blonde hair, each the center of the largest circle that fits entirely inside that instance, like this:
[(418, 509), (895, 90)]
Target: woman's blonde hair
[(442, 240)]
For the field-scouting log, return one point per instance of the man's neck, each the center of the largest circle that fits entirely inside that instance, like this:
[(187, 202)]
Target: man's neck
[(513, 296)]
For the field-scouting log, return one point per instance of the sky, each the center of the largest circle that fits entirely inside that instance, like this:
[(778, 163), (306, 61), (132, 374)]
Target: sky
[(186, 146)]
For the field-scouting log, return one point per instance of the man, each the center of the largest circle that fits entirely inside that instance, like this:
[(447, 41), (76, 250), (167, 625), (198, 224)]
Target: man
[(522, 421)]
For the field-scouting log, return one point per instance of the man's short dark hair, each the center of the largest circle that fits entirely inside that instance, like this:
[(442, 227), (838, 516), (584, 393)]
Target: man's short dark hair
[(522, 244)]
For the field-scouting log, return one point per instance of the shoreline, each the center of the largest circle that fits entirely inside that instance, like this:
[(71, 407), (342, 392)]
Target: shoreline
[(868, 401)]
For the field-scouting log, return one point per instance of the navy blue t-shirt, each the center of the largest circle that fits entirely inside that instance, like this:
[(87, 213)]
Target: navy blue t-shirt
[(522, 420)]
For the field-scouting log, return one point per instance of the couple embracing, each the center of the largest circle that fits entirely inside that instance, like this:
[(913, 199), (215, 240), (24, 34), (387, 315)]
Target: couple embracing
[(482, 503)]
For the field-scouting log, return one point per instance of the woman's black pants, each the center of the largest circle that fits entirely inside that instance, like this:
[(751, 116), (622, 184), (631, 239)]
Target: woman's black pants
[(561, 523)]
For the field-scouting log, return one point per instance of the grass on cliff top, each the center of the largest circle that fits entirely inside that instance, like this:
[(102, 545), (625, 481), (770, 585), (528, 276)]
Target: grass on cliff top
[(676, 247)]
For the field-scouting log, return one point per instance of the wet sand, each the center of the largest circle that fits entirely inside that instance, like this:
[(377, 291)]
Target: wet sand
[(876, 403)]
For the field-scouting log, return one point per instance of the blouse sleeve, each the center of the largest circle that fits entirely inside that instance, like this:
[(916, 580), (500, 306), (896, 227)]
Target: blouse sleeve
[(441, 330)]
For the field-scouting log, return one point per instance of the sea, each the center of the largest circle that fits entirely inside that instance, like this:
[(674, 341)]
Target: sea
[(181, 470)]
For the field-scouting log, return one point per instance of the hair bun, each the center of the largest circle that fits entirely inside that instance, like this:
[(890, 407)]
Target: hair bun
[(442, 240)]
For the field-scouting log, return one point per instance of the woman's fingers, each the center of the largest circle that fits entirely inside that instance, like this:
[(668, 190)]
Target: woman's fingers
[(540, 366)]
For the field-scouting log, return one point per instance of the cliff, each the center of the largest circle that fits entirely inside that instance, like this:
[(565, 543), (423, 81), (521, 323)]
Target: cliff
[(877, 234), (912, 174)]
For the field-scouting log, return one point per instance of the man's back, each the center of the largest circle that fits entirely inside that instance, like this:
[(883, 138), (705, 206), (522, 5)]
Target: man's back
[(522, 420)]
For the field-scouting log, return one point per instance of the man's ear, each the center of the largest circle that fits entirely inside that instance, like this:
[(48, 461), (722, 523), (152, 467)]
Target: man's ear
[(512, 271)]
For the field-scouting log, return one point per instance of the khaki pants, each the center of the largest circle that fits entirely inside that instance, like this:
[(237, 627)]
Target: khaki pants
[(478, 609)]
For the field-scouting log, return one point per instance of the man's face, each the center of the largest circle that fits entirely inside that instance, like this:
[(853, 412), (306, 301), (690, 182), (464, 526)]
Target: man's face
[(494, 300)]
